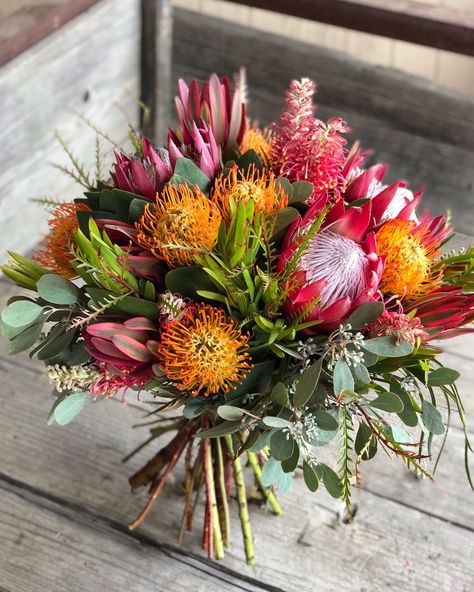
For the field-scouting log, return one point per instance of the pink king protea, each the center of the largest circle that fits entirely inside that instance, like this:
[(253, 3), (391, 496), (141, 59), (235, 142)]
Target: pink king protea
[(339, 269)]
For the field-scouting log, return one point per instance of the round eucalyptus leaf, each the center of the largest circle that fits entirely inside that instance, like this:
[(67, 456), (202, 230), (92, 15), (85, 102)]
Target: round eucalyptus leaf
[(342, 378), (284, 483), (271, 472), (432, 419), (389, 402), (387, 347), (310, 477), (281, 445), (57, 290), (276, 422), (69, 407), (229, 412), (21, 313)]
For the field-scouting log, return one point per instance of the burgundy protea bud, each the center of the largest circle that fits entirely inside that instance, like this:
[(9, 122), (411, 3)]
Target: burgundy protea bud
[(307, 149), (143, 174)]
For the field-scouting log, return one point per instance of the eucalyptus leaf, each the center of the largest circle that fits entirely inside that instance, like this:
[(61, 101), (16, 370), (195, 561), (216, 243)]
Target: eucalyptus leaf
[(185, 171), (26, 338), (387, 347), (365, 314), (363, 437), (281, 445), (229, 413), (331, 481), (276, 422), (271, 472), (389, 402), (342, 378), (290, 464), (442, 377), (284, 483), (325, 420), (221, 429), (431, 418), (21, 313), (57, 290), (279, 394), (310, 478), (301, 191), (307, 383), (69, 408)]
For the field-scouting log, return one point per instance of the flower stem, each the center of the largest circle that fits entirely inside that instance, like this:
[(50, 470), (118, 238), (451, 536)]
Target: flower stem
[(268, 493), (224, 504), (218, 546), (243, 507)]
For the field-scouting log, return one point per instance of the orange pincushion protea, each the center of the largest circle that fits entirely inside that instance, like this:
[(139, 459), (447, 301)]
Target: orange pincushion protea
[(182, 222), (409, 257), (204, 352), (57, 254), (239, 185), (260, 141)]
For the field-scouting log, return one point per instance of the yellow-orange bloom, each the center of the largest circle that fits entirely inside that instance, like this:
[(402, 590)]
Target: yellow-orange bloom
[(260, 141), (182, 222), (56, 254), (238, 185), (204, 352), (408, 260)]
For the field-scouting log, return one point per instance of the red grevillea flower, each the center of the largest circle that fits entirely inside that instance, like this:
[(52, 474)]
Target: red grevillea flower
[(307, 149), (339, 266), (121, 345), (112, 381), (398, 324)]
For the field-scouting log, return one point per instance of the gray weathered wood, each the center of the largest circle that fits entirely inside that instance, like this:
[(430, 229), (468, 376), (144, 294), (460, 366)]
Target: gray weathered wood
[(156, 42), (90, 65), (424, 132)]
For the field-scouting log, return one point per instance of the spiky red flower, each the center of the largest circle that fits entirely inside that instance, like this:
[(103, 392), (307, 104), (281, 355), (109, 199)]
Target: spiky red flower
[(397, 323), (307, 149)]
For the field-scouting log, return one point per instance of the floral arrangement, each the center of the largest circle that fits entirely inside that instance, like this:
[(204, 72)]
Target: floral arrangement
[(264, 288)]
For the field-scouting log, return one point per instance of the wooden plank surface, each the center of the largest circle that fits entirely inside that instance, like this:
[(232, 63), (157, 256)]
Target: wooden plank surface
[(23, 23), (412, 532), (91, 65), (423, 132), (406, 20)]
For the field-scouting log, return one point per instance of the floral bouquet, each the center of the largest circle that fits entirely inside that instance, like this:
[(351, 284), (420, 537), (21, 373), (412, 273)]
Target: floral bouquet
[(265, 289)]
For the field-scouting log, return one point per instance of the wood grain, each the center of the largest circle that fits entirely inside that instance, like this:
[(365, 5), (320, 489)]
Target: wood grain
[(90, 65)]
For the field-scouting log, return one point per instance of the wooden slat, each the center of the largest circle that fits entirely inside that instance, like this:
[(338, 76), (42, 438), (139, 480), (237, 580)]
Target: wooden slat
[(51, 545), (406, 20), (21, 29), (80, 465)]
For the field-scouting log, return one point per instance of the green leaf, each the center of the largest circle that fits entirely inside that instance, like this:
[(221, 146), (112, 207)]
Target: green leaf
[(285, 185), (128, 305), (307, 383), (26, 338), (281, 445), (279, 394), (290, 464), (137, 209), (271, 472), (342, 378), (256, 381), (21, 313), (367, 313), (389, 402), (221, 429), (301, 191), (69, 407), (194, 408), (261, 442), (431, 418), (284, 218), (187, 281), (387, 347), (325, 420), (442, 377), (185, 171), (364, 434), (360, 374), (276, 422), (310, 477), (55, 345), (57, 290), (248, 158), (284, 483), (331, 481), (229, 413), (408, 415)]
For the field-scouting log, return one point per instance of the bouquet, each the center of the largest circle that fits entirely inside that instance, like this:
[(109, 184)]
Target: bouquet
[(269, 298)]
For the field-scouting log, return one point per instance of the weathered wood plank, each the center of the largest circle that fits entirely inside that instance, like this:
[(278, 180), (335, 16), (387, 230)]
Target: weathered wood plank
[(406, 20), (51, 545), (425, 133), (90, 65), (80, 464)]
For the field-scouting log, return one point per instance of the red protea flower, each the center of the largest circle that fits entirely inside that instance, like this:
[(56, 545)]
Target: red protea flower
[(307, 149), (339, 266), (121, 344)]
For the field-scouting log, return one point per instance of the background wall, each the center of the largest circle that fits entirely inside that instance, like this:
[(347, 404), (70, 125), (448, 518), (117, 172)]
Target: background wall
[(451, 70)]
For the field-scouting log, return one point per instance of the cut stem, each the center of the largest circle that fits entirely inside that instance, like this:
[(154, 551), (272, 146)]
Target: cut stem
[(223, 502), (218, 544), (243, 506), (267, 492)]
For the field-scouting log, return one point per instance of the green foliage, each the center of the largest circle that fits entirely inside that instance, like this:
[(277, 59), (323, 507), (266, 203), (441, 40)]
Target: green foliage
[(23, 271), (67, 407), (272, 471), (186, 172), (387, 347), (57, 290), (307, 383)]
